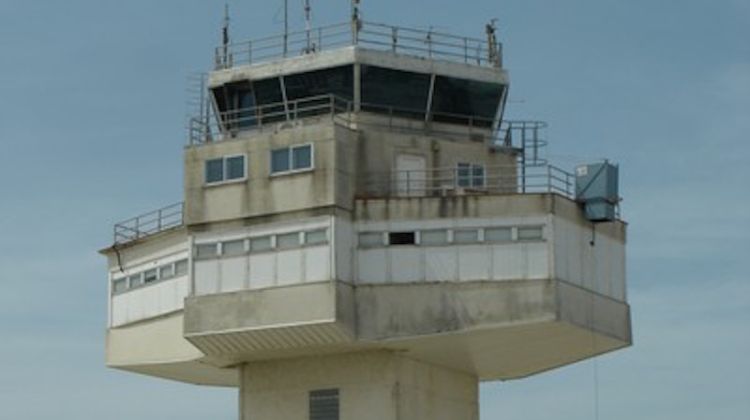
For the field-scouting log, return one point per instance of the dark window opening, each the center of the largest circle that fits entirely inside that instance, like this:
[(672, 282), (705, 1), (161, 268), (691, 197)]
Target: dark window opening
[(324, 404), (395, 92), (401, 238), (455, 100)]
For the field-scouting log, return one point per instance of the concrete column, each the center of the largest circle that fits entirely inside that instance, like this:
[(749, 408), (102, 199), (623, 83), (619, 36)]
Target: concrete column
[(371, 386)]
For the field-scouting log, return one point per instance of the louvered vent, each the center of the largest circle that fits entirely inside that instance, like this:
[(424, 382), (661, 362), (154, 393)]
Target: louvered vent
[(324, 404)]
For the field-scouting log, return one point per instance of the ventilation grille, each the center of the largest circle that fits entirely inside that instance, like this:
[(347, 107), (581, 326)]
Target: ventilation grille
[(324, 404)]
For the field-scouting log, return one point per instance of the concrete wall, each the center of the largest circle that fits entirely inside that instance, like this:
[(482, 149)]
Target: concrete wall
[(372, 386)]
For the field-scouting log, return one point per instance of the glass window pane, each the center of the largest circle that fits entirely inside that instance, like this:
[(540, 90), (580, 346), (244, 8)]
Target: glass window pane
[(477, 173), (454, 97), (259, 244), (400, 92), (120, 285), (135, 280), (181, 267), (370, 239), (529, 233), (498, 235), (231, 248), (269, 100), (302, 157), (337, 81), (463, 174), (214, 170), (150, 276), (466, 236), (316, 237), (236, 167), (287, 240), (166, 271), (279, 160), (401, 238), (434, 237), (205, 250)]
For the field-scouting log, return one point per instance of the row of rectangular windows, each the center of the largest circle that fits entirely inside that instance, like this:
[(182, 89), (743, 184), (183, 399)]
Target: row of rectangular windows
[(261, 244), (153, 275), (283, 160), (437, 237)]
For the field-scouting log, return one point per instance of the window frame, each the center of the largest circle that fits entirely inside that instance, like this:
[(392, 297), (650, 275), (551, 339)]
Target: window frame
[(470, 177), (225, 170), (292, 169)]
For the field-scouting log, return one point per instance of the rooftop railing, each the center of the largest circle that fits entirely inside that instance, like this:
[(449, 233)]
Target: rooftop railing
[(149, 224), (470, 180), (400, 40)]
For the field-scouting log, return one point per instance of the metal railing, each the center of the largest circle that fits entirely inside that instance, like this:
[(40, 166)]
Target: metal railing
[(400, 40), (149, 223), (441, 182)]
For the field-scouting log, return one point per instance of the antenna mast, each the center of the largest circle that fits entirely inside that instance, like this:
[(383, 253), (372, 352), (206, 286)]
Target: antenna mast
[(356, 21), (286, 27), (226, 56), (308, 27)]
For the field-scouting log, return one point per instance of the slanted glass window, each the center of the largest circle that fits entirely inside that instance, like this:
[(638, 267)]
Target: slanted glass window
[(530, 233), (260, 244), (324, 404), (316, 237), (205, 251), (119, 285), (433, 237), (395, 92), (337, 81), (466, 236), (226, 168), (166, 271), (135, 280), (461, 101), (150, 276), (470, 175), (287, 240), (291, 159), (370, 239), (401, 238), (181, 267), (233, 248), (496, 235)]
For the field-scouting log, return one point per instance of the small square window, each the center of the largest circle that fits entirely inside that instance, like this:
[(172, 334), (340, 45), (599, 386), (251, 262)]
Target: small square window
[(150, 276), (470, 175), (235, 167), (498, 235), (302, 157), (530, 233), (262, 243), (181, 267), (214, 170), (205, 250), (433, 237), (466, 236), (324, 404), (280, 160), (135, 280), (287, 240), (233, 248), (370, 239), (477, 172), (166, 271), (316, 237), (401, 238), (119, 285)]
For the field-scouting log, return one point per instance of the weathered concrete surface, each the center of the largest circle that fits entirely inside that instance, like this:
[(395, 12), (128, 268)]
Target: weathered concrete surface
[(372, 386)]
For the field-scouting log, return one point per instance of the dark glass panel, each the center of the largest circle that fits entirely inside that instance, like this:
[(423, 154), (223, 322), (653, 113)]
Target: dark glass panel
[(455, 100), (405, 93)]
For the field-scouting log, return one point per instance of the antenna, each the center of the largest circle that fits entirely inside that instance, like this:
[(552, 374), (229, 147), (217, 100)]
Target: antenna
[(493, 48), (226, 58), (356, 21), (286, 27), (308, 27)]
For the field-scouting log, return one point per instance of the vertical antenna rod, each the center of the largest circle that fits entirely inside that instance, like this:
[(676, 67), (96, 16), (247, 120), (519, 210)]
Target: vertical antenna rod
[(356, 21), (493, 48), (226, 59), (308, 26), (286, 27)]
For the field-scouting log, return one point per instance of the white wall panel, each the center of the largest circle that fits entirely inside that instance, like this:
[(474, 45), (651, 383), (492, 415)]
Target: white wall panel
[(473, 262), (262, 270), (440, 263), (289, 267), (317, 263), (233, 273), (149, 301), (406, 264), (372, 265), (206, 274)]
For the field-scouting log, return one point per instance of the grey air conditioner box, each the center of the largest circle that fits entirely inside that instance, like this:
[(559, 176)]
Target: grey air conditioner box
[(597, 190)]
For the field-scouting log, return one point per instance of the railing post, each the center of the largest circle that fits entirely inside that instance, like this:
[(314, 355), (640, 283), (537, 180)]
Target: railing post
[(394, 38), (250, 52), (408, 183), (549, 179), (466, 50), (320, 39), (137, 227), (429, 43), (158, 220)]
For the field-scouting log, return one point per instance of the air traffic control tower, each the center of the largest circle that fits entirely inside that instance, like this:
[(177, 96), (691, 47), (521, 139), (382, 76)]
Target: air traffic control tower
[(365, 237)]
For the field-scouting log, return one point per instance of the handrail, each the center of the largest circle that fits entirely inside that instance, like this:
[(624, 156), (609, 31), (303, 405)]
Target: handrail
[(148, 224), (399, 40)]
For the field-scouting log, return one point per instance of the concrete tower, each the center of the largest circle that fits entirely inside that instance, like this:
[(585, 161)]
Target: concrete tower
[(363, 237)]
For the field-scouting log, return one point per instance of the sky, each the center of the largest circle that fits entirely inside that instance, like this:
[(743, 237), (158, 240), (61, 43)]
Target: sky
[(92, 111)]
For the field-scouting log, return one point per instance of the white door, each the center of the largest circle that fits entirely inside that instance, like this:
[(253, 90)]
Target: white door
[(410, 178)]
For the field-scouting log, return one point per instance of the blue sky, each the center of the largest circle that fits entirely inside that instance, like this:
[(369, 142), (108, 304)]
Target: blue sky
[(92, 107)]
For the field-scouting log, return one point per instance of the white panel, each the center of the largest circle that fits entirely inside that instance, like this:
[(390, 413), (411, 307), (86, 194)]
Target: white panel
[(149, 301), (406, 264), (289, 267), (372, 267), (345, 251), (507, 262), (317, 263), (262, 270), (473, 262), (206, 277), (233, 273), (441, 263), (537, 261)]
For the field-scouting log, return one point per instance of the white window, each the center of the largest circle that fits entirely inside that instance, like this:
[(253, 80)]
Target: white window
[(316, 237), (468, 236), (205, 251), (227, 168), (470, 175), (530, 233), (503, 234), (233, 248), (260, 244), (181, 268), (166, 271), (150, 276), (370, 239), (433, 237), (136, 280), (292, 159), (287, 240), (119, 285)]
